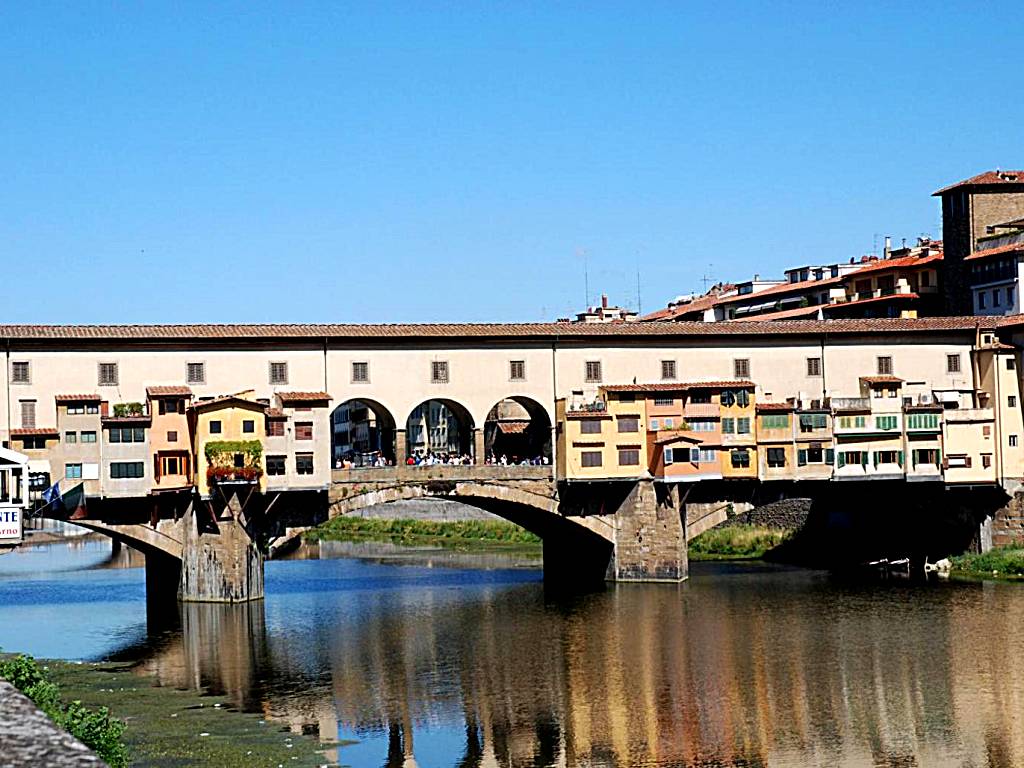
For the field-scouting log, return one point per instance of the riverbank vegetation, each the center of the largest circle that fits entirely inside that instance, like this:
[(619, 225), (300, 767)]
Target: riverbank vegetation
[(736, 542), (476, 533), (1003, 563), (93, 727)]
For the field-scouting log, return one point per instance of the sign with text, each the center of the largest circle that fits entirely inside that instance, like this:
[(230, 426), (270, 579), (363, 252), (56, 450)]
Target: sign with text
[(10, 525)]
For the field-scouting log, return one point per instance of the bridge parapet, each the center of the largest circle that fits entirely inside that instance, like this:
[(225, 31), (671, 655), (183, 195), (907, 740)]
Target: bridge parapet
[(456, 473)]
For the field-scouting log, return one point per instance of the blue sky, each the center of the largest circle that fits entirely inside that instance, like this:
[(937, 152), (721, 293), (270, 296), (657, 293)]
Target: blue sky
[(379, 162)]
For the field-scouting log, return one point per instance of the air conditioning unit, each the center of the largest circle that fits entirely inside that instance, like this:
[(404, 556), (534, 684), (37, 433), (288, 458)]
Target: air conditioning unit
[(815, 405), (925, 399)]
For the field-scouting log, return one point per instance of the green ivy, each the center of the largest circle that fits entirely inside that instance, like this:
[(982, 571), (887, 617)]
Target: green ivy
[(253, 449), (128, 409)]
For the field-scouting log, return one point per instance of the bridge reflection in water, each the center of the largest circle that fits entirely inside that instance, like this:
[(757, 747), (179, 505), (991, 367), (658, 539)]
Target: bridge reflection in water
[(741, 668)]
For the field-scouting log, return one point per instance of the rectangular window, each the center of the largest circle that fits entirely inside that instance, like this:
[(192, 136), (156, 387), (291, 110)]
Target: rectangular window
[(809, 422), (703, 398), (853, 458), (73, 471), (664, 401), (304, 463), (653, 425), (195, 373), (172, 436), (1013, 441), (887, 457), (279, 373), (629, 457), (107, 375), (952, 363), (986, 460), (700, 425), (70, 437), (590, 459), (360, 372), (123, 470), (517, 370), (668, 370), (215, 427), (127, 434), (28, 414), (884, 366), (439, 372), (248, 426), (629, 424), (925, 457), (669, 456), (668, 422), (776, 457), (275, 428), (740, 458), (88, 436), (885, 423), (741, 368), (275, 465), (1011, 401), (923, 421), (304, 430), (775, 421), (729, 426), (1011, 363), (21, 373), (590, 426), (170, 465), (814, 366), (981, 300), (743, 426), (592, 371)]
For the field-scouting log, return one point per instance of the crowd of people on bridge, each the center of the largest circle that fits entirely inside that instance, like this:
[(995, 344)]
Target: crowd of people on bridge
[(515, 461), (431, 459)]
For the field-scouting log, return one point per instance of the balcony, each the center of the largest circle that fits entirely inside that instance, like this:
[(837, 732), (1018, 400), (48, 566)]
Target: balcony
[(701, 411), (851, 403), (453, 473)]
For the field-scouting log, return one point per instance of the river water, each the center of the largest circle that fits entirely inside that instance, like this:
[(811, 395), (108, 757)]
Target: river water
[(427, 659)]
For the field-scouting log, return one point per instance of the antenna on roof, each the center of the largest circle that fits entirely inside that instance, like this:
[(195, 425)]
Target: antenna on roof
[(582, 252), (639, 302), (707, 278)]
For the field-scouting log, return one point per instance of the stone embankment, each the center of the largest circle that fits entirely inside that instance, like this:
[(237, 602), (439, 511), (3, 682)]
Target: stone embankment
[(786, 514), (29, 739)]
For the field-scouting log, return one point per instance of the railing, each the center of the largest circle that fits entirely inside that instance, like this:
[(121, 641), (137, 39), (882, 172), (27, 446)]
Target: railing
[(851, 403), (423, 473)]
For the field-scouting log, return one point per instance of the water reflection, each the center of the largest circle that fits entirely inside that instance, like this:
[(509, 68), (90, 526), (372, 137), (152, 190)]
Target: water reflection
[(741, 666)]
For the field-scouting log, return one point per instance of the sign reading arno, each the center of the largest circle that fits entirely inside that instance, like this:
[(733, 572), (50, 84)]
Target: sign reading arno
[(13, 495)]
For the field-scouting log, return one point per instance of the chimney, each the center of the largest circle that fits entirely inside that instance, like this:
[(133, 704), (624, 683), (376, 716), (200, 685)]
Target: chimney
[(888, 247), (604, 301)]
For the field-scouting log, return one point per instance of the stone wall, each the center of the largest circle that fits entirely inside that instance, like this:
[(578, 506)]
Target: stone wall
[(1008, 523), (650, 540), (29, 738), (785, 514)]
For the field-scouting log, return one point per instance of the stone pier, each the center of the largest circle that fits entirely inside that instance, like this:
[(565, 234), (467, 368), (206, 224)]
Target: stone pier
[(220, 562), (650, 536)]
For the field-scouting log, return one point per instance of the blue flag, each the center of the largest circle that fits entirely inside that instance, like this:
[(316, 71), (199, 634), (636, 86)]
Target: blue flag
[(52, 494)]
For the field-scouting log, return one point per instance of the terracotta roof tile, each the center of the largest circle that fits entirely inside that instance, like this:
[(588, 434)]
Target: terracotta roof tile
[(276, 413), (776, 407), (826, 308), (171, 390), (881, 379), (902, 262), (127, 419), (997, 251), (92, 398), (679, 386), (533, 331), (782, 314), (783, 289), (988, 177), (34, 432), (303, 397)]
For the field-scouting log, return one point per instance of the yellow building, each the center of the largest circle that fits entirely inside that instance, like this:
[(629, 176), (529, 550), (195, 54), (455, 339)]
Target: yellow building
[(739, 441), (228, 436), (776, 446), (604, 438)]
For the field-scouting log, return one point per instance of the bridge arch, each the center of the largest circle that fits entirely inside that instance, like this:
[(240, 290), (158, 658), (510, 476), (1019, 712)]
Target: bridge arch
[(361, 430), (440, 427), (518, 428)]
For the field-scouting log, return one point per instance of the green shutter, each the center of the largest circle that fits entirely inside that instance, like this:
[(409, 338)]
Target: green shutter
[(864, 459), (899, 458), (842, 460), (830, 456), (801, 457)]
